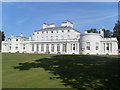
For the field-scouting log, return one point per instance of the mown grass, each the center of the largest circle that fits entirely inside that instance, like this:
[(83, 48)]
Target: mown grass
[(60, 71)]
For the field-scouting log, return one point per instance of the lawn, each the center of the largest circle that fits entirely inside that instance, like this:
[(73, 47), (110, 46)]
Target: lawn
[(60, 71)]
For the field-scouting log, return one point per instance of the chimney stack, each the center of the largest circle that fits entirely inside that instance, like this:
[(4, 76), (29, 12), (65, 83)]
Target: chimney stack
[(44, 25), (102, 32), (12, 35), (21, 34), (85, 31)]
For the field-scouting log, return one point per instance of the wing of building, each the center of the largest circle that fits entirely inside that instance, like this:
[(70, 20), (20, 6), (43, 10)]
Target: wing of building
[(64, 39)]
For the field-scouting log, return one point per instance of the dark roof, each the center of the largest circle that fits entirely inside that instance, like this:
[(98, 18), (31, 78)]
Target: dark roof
[(57, 28)]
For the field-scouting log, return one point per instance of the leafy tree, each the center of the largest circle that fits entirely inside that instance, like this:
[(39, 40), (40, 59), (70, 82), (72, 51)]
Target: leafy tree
[(2, 38), (107, 33), (116, 32), (92, 30)]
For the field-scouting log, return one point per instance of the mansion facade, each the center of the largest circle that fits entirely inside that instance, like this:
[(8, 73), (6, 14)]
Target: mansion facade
[(63, 39)]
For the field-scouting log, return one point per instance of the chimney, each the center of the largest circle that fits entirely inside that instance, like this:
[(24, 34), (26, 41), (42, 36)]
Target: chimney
[(21, 34), (44, 25), (51, 25), (69, 24), (85, 31), (64, 24), (102, 32), (30, 38), (12, 35)]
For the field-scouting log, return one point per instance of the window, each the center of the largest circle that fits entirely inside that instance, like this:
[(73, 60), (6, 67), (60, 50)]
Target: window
[(16, 47), (73, 46), (111, 47), (52, 47), (46, 37), (9, 39), (58, 47), (42, 47), (107, 46), (16, 39), (64, 47), (47, 47), (37, 32), (68, 30), (23, 46), (42, 32), (51, 31), (32, 47), (10, 47), (68, 37), (56, 37), (37, 47), (62, 30), (47, 32), (104, 46), (42, 38), (97, 46), (51, 37), (88, 46), (57, 31)]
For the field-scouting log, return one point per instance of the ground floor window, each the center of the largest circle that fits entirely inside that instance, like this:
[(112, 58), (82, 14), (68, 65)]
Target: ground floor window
[(73, 46), (32, 47), (88, 46), (52, 47), (58, 47), (37, 47), (42, 47), (23, 46), (64, 47), (97, 46), (111, 47), (47, 47), (107, 46)]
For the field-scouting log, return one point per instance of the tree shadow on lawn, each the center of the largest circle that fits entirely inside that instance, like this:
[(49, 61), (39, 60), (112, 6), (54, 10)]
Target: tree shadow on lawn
[(80, 71)]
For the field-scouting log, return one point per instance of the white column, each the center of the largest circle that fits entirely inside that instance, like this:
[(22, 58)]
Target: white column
[(35, 47), (39, 47), (61, 48), (50, 47), (44, 47)]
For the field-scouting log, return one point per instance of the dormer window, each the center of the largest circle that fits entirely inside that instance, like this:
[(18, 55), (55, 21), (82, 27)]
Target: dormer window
[(16, 39)]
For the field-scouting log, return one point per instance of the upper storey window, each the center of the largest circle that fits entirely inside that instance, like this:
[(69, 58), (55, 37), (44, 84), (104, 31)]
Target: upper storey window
[(16, 39), (62, 30), (51, 31), (57, 31), (88, 46), (47, 32), (68, 30), (37, 32), (42, 32)]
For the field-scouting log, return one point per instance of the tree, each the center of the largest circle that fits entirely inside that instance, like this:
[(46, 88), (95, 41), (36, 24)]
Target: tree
[(2, 38), (92, 31), (107, 33), (116, 32)]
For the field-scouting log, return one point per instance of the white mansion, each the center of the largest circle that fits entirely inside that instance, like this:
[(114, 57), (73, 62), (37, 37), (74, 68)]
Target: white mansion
[(64, 39)]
